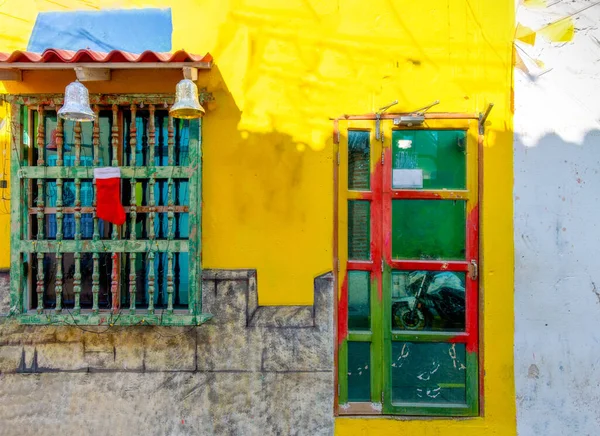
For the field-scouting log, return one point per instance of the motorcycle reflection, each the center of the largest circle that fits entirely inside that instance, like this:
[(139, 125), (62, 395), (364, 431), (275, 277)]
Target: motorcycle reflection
[(430, 301)]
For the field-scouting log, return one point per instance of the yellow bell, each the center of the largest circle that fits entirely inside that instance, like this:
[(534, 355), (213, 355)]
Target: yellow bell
[(186, 101)]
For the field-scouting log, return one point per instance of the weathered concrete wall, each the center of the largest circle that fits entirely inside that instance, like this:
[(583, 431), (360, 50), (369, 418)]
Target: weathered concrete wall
[(557, 231), (251, 370)]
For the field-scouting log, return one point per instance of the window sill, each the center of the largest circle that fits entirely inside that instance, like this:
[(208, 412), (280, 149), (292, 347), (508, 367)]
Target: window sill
[(104, 318)]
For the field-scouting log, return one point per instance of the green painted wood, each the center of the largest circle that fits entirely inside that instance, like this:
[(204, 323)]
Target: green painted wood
[(18, 118), (377, 343), (472, 383), (425, 336), (87, 172), (101, 246), (195, 216), (177, 318), (386, 338), (343, 373), (360, 336)]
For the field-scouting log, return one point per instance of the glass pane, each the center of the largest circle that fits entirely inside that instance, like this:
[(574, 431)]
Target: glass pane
[(429, 159), (358, 300), (359, 230), (358, 160), (428, 373), (428, 300), (359, 371), (428, 229)]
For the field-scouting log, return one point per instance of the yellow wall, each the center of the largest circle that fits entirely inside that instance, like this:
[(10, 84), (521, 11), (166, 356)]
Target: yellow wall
[(283, 67)]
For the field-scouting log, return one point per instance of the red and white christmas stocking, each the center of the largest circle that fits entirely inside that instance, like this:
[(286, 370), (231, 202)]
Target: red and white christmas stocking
[(108, 203)]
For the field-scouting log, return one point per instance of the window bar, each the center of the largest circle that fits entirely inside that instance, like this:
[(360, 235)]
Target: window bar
[(151, 283), (95, 283), (96, 162), (59, 236), (59, 141), (170, 282), (151, 137), (77, 139), (115, 135), (132, 210), (40, 212), (152, 181), (132, 136), (59, 211), (40, 182), (40, 282), (114, 282), (132, 284), (40, 137), (77, 209), (171, 142), (115, 156), (58, 288), (77, 283), (170, 209)]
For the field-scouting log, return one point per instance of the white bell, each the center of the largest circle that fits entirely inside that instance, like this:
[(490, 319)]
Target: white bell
[(77, 104), (186, 101)]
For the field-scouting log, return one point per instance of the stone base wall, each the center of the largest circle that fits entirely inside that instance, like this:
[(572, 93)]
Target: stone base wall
[(251, 370)]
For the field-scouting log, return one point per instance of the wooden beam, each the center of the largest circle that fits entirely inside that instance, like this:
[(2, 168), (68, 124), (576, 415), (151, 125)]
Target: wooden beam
[(85, 74), (111, 65), (190, 73), (11, 75)]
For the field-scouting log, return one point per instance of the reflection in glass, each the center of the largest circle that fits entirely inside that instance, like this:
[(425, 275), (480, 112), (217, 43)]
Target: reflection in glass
[(428, 300), (358, 300), (428, 229), (428, 373), (429, 159), (359, 230), (359, 371), (358, 160)]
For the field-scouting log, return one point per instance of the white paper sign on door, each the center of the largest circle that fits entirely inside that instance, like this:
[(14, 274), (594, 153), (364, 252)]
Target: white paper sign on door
[(407, 179)]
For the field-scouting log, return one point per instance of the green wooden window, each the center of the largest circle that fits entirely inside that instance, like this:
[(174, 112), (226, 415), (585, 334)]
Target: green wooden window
[(408, 242), (69, 266)]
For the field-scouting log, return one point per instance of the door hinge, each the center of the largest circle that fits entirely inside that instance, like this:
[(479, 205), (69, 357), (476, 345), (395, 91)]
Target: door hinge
[(381, 397), (382, 157), (473, 270), (338, 158), (382, 265)]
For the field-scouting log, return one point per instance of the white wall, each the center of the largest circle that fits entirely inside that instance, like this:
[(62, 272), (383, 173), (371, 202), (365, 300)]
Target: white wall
[(557, 230)]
